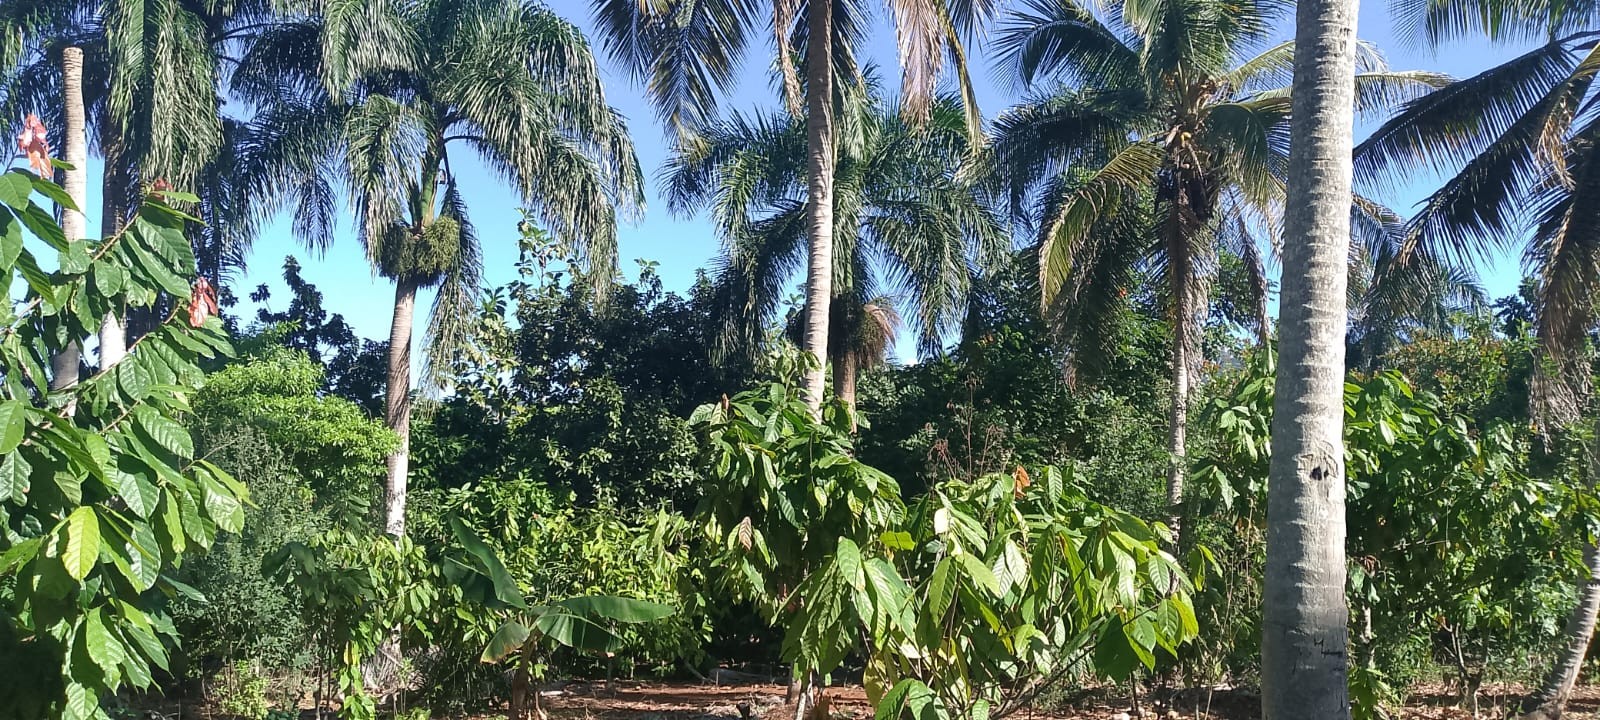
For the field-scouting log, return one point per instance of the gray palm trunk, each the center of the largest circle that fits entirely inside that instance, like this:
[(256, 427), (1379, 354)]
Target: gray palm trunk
[(75, 151), (1186, 356), (1550, 702), (819, 192), (1305, 622), (397, 406)]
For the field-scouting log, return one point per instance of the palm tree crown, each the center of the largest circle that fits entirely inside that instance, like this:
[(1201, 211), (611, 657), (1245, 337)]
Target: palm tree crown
[(1175, 102), (508, 81), (904, 220)]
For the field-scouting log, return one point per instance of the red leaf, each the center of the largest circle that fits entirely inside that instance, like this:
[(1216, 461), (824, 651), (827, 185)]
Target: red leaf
[(33, 142), (203, 304)]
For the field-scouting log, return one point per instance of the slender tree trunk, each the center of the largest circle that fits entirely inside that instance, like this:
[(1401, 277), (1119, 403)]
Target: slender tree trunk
[(113, 334), (74, 149), (845, 371), (1550, 702), (819, 132), (1263, 322), (1305, 622), (1178, 417), (397, 409)]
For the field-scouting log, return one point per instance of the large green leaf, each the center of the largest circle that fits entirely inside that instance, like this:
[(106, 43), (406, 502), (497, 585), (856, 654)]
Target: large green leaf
[(14, 473), (15, 187), (102, 644), (10, 240), (488, 563), (221, 504), (81, 542), (508, 639), (624, 610), (168, 434), (575, 631), (13, 423)]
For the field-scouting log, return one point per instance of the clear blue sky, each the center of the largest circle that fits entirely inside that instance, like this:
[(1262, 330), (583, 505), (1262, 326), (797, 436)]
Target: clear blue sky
[(683, 245)]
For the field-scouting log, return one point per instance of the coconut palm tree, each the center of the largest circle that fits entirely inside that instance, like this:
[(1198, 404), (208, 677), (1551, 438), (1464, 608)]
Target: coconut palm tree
[(1516, 148), (1180, 104), (687, 52), (903, 220), (507, 81), (1305, 619)]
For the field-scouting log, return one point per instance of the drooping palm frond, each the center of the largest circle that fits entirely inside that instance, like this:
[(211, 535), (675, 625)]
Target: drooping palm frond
[(1061, 38), (1397, 287), (1448, 128), (452, 317), (686, 55), (1054, 134), (903, 213), (1434, 22), (1071, 211)]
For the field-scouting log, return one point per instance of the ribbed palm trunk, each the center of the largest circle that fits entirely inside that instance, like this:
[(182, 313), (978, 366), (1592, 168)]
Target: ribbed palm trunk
[(74, 149), (1305, 622), (1185, 348), (397, 406), (1550, 702), (819, 193)]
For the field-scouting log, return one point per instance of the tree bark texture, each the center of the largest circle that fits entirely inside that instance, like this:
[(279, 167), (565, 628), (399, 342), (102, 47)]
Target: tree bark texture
[(1305, 633), (64, 367), (397, 406), (819, 194)]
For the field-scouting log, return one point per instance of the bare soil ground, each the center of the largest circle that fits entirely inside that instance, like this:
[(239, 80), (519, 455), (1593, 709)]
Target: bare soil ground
[(690, 701)]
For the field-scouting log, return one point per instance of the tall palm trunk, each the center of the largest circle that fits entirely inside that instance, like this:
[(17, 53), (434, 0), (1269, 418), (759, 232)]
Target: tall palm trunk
[(1184, 352), (1305, 622), (397, 408), (1550, 702), (75, 151), (819, 211)]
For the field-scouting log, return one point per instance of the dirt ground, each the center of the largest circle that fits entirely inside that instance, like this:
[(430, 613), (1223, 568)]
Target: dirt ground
[(687, 701)]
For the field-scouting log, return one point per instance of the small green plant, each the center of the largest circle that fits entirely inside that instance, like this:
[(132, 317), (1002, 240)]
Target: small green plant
[(240, 691)]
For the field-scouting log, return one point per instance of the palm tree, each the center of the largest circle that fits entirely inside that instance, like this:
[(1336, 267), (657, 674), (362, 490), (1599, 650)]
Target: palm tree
[(687, 52), (904, 219), (1396, 290), (1177, 99), (1516, 149), (1305, 620), (64, 366), (150, 78), (507, 80)]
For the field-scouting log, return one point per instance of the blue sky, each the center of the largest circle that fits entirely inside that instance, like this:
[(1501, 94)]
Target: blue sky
[(683, 245)]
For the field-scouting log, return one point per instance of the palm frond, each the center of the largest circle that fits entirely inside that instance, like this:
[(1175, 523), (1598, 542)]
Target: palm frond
[(1063, 38), (1071, 211), (450, 321)]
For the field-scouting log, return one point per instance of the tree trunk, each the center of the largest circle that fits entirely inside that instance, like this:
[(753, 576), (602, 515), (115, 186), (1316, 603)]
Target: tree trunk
[(113, 335), (74, 149), (1551, 700), (397, 409), (1263, 322), (819, 140), (845, 371), (1305, 621), (1178, 417)]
